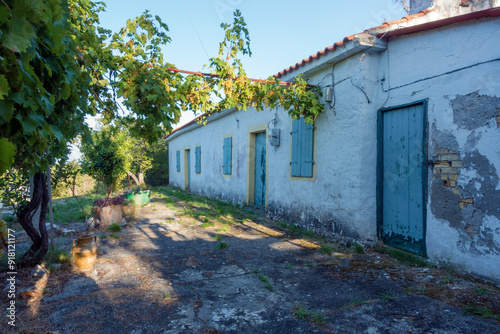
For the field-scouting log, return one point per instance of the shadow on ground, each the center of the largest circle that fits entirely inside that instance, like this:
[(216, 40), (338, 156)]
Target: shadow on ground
[(170, 275)]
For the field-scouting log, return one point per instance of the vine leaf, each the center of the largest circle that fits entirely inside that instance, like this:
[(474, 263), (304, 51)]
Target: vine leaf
[(6, 155), (4, 87), (6, 111), (19, 37)]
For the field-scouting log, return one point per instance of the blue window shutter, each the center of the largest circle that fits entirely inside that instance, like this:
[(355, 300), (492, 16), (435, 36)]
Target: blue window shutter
[(178, 156), (295, 162), (197, 165), (228, 145), (307, 162), (302, 148)]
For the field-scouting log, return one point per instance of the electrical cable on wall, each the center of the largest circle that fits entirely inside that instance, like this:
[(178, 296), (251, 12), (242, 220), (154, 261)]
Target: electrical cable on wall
[(388, 81), (274, 122), (332, 85), (439, 75), (237, 120), (361, 89), (332, 106)]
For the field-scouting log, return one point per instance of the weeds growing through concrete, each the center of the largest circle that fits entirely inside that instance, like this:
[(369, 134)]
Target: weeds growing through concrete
[(447, 279), (115, 227), (222, 245), (408, 258), (358, 248), (482, 291), (56, 255), (300, 312), (325, 249), (356, 303), (484, 312), (267, 283), (205, 225), (387, 296)]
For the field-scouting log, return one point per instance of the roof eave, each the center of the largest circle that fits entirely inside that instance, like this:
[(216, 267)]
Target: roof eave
[(386, 31), (363, 42), (194, 124)]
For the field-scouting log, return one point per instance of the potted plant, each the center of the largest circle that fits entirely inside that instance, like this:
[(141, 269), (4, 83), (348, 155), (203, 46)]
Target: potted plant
[(108, 210), (105, 158)]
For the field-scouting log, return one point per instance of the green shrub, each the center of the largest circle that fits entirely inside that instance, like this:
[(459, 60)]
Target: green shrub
[(325, 249), (115, 227), (358, 248)]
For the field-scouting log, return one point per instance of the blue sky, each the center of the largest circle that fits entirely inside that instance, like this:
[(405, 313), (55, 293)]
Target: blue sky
[(282, 32)]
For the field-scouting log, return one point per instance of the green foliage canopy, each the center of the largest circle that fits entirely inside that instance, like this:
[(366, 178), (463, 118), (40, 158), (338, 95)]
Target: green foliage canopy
[(105, 158), (45, 75), (58, 65)]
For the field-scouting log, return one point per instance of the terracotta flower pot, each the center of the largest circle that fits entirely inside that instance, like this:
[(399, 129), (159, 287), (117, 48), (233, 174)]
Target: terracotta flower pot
[(110, 214), (84, 252)]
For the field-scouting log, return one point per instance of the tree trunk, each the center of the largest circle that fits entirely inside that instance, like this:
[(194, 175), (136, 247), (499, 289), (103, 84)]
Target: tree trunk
[(51, 212), (136, 180), (38, 250), (141, 179), (36, 215)]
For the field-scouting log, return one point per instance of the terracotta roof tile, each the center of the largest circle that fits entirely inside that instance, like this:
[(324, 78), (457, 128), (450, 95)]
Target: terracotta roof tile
[(315, 56), (184, 126), (341, 43), (384, 30)]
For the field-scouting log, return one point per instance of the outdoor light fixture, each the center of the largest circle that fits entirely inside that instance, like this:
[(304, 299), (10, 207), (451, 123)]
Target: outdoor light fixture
[(274, 137), (329, 94)]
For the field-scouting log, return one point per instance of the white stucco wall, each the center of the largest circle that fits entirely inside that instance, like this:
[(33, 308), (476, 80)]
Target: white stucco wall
[(341, 198)]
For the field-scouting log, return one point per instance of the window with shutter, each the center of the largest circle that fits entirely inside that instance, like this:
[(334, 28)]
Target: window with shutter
[(178, 156), (226, 165), (302, 149), (197, 166)]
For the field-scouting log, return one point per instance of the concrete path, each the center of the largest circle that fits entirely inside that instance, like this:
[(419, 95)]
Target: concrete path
[(164, 275)]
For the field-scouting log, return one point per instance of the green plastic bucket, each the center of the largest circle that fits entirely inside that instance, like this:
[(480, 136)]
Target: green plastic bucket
[(139, 198)]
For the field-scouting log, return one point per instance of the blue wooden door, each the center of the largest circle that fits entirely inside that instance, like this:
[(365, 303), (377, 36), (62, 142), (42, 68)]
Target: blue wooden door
[(260, 169), (188, 168), (402, 177)]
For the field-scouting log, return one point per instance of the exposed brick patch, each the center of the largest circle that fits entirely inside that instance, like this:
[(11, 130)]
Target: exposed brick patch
[(498, 118), (447, 167)]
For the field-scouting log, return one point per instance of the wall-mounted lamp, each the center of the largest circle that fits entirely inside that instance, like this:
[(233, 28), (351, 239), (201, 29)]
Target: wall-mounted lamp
[(329, 94), (274, 137)]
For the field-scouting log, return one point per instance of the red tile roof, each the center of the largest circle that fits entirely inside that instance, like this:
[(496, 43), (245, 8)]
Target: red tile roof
[(185, 125), (337, 45), (392, 28)]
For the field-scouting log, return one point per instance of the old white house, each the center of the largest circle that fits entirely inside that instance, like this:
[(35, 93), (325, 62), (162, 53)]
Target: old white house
[(408, 150)]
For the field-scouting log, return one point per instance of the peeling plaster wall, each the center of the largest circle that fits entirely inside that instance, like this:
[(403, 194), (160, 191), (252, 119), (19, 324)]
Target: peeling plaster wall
[(463, 205)]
